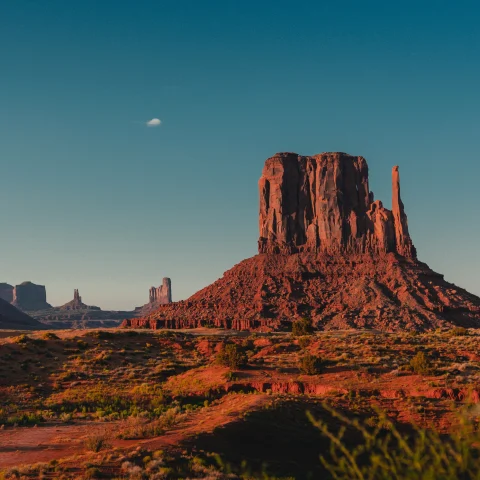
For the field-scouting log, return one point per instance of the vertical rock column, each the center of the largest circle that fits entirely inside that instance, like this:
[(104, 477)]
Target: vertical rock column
[(161, 294), (403, 242)]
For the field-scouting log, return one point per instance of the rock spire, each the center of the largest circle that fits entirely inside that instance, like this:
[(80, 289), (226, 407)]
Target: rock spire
[(162, 294)]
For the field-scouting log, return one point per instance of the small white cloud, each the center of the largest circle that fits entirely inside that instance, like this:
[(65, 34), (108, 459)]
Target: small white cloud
[(154, 122)]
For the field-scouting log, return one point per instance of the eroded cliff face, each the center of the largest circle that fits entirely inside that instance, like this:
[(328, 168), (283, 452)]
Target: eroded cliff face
[(162, 294), (323, 203)]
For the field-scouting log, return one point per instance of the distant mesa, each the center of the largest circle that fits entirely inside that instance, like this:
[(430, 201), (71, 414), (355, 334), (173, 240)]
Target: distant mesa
[(30, 297), (76, 304), (76, 314), (6, 292), (330, 252)]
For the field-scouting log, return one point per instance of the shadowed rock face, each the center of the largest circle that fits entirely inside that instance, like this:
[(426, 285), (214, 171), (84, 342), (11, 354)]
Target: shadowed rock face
[(328, 252), (12, 318), (323, 204), (30, 297), (6, 292)]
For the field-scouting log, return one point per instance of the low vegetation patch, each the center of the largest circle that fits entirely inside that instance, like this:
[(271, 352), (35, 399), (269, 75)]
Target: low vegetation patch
[(310, 364), (232, 356), (302, 327), (384, 452), (420, 364)]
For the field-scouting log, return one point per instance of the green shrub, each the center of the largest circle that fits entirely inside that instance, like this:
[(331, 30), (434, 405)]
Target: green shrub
[(420, 364), (82, 344), (96, 443), (22, 339), (302, 327), (49, 336), (231, 356), (382, 452), (310, 364), (92, 473), (303, 342), (102, 335)]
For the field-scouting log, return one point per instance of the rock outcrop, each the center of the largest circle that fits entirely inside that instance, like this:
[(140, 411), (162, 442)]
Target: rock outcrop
[(76, 304), (30, 297), (324, 204), (76, 314), (329, 252), (161, 295), (6, 292)]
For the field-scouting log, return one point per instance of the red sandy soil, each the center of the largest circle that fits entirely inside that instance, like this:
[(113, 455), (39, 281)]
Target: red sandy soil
[(362, 370), (28, 445)]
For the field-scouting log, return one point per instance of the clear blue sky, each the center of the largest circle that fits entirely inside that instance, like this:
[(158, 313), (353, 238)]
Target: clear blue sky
[(94, 199)]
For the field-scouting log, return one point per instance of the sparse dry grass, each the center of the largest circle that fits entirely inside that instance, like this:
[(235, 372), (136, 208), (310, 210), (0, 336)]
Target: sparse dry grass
[(147, 383)]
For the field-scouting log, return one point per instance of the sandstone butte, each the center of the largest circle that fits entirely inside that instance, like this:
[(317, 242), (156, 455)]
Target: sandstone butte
[(329, 252)]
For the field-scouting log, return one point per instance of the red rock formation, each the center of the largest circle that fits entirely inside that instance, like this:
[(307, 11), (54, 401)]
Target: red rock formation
[(162, 294), (328, 252), (323, 204), (267, 292), (403, 242)]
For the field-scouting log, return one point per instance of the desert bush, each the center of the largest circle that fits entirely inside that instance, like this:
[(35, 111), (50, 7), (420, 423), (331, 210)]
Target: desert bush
[(26, 340), (137, 427), (384, 453), (23, 419), (302, 327), (92, 473), (458, 332), (102, 335), (21, 339), (96, 443), (303, 342), (310, 364), (231, 356), (420, 364), (82, 345), (66, 417), (50, 336)]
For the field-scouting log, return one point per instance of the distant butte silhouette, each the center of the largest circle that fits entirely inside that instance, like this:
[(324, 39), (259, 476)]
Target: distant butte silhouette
[(329, 252)]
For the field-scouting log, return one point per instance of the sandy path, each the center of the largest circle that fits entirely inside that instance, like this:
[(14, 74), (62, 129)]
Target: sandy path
[(42, 444)]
